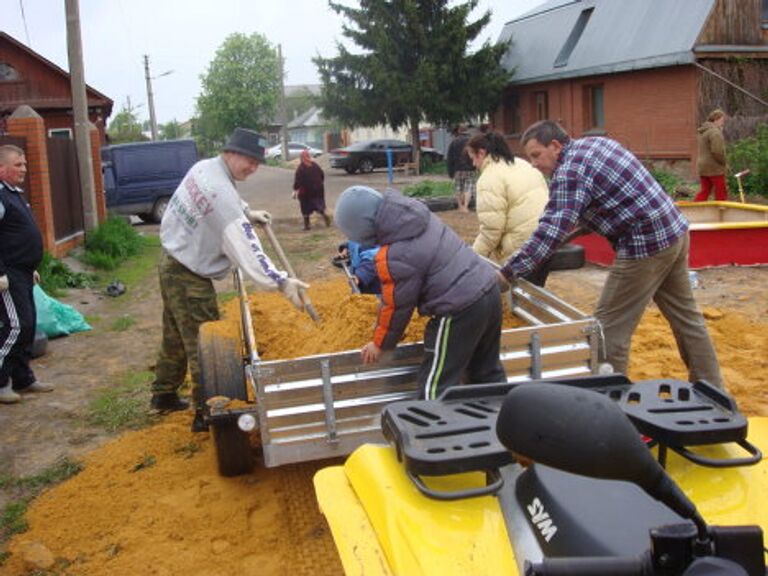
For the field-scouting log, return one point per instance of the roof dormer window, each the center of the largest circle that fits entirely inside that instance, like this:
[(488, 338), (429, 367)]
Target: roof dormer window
[(573, 38)]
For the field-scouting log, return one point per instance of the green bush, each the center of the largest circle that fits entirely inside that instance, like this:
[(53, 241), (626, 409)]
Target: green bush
[(429, 189), (751, 154), (669, 181), (56, 276), (111, 243)]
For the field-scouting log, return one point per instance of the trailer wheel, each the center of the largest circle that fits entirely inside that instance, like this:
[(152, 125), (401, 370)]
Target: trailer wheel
[(221, 374), (221, 362)]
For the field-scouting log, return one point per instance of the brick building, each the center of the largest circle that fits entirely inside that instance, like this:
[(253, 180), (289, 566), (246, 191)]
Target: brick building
[(645, 72)]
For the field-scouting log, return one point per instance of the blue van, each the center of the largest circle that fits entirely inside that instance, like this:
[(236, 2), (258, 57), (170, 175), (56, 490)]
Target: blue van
[(140, 178)]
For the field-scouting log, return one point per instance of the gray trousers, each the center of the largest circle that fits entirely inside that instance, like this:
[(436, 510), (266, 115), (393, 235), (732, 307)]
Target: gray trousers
[(662, 277)]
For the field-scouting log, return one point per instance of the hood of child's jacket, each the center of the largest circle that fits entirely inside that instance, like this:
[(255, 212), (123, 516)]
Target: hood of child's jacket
[(706, 127), (400, 218)]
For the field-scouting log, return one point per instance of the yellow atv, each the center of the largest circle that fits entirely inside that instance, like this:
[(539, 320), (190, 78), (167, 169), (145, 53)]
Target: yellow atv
[(590, 476)]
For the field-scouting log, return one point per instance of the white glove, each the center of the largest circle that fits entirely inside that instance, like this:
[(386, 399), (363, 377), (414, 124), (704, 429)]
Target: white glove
[(291, 288), (259, 216), (3, 283)]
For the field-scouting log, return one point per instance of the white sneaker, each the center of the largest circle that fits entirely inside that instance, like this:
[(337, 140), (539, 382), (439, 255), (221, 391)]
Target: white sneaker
[(37, 387), (8, 396)]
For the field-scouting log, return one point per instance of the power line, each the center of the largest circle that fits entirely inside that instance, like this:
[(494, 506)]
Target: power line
[(24, 20)]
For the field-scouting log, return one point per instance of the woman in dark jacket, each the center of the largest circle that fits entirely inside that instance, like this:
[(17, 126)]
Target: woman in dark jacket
[(309, 188)]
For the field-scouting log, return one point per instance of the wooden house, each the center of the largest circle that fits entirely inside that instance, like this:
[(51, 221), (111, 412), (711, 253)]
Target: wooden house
[(645, 72), (27, 78)]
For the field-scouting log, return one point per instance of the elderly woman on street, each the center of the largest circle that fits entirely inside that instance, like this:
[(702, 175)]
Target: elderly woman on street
[(309, 188), (511, 195)]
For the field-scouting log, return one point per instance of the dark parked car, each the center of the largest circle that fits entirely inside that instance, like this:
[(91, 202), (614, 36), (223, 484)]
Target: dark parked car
[(365, 156)]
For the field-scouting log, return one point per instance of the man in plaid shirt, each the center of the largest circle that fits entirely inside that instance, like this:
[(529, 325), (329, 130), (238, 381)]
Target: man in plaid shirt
[(597, 185)]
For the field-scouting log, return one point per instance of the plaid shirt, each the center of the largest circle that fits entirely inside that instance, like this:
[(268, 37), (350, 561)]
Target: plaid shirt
[(601, 186)]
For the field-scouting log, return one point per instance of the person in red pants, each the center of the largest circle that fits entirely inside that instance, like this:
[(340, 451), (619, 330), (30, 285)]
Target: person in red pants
[(712, 161)]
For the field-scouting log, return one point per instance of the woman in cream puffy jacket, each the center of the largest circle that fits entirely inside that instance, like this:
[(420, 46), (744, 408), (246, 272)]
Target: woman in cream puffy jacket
[(511, 195)]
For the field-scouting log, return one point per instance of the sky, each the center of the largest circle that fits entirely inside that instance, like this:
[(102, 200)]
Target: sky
[(182, 36)]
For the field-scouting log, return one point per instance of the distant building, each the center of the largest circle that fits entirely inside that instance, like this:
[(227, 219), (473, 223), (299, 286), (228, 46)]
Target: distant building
[(645, 72)]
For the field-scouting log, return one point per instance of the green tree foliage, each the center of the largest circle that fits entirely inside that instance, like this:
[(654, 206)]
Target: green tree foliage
[(169, 131), (413, 65), (125, 127), (240, 88)]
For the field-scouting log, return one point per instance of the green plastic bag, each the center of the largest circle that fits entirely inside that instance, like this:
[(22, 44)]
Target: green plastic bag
[(55, 318)]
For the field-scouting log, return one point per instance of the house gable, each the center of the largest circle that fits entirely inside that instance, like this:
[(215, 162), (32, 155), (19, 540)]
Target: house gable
[(40, 84)]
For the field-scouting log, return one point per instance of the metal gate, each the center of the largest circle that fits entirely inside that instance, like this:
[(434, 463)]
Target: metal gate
[(66, 197)]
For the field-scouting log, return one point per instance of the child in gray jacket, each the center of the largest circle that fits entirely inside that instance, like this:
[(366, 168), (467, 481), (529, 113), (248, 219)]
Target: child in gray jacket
[(423, 264)]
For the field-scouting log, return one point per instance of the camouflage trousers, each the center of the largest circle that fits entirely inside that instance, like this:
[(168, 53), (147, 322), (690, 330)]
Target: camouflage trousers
[(188, 301)]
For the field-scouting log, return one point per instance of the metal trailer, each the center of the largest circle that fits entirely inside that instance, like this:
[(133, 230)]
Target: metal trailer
[(326, 405)]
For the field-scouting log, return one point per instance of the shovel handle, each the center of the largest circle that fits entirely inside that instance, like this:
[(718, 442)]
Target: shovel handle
[(288, 268)]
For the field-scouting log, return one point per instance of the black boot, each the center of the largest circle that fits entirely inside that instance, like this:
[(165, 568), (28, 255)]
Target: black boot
[(198, 423), (306, 223), (168, 402)]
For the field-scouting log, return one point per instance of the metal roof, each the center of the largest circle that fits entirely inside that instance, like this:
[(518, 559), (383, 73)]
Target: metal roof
[(311, 118), (619, 35)]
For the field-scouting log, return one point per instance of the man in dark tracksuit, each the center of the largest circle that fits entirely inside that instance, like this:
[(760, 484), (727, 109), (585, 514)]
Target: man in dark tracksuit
[(423, 263), (21, 250)]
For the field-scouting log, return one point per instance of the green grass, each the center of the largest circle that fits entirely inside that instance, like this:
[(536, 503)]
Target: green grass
[(23, 490), (124, 404), (122, 323), (429, 189), (226, 296), (135, 270), (188, 450), (147, 461), (60, 471)]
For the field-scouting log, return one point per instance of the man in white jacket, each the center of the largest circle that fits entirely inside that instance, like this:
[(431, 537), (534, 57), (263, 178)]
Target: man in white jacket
[(206, 229)]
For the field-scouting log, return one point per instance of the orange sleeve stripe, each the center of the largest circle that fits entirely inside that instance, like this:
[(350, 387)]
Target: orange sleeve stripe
[(387, 308)]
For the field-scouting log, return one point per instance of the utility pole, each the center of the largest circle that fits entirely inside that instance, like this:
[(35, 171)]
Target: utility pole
[(150, 99), (283, 119), (80, 109)]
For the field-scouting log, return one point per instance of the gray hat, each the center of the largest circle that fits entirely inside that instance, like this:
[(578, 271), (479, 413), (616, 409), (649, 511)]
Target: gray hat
[(355, 214), (248, 143)]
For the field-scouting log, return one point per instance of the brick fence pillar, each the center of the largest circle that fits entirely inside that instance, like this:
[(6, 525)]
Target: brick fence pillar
[(98, 180), (28, 124)]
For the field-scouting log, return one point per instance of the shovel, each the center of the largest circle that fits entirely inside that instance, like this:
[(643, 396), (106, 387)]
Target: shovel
[(288, 268)]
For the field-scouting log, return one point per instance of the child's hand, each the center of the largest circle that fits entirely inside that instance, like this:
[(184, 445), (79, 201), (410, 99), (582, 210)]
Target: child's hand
[(370, 353)]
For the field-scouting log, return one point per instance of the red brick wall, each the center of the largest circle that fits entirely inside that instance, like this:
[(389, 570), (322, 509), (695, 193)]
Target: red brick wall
[(38, 184), (652, 112), (33, 129)]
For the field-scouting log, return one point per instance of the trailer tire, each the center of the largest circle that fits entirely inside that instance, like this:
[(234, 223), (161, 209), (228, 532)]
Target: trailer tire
[(221, 363), (221, 374)]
